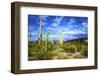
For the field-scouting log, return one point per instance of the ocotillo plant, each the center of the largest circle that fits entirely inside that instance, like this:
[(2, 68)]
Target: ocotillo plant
[(61, 39), (46, 41)]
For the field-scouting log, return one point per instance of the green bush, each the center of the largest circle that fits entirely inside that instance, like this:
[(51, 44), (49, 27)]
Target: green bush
[(65, 47), (72, 48), (57, 51), (79, 47), (84, 51)]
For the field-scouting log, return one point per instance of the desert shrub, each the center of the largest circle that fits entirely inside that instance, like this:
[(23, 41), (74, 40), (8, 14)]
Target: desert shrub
[(32, 53), (84, 51), (78, 47), (57, 51), (66, 48), (30, 50), (29, 53), (50, 46), (46, 55), (85, 41), (30, 44), (50, 54), (72, 48), (42, 54)]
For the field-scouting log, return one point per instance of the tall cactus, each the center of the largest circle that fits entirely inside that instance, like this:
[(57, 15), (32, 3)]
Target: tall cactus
[(40, 34), (52, 38), (30, 36), (61, 39), (46, 41)]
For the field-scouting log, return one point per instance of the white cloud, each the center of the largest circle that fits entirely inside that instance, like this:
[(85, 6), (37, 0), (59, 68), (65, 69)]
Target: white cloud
[(57, 21), (55, 24), (69, 37), (84, 26), (71, 32), (84, 23), (68, 33), (71, 21)]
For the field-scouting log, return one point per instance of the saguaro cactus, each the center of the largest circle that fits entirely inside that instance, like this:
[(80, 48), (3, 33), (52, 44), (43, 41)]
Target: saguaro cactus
[(30, 36), (40, 34), (61, 39), (52, 38), (46, 41)]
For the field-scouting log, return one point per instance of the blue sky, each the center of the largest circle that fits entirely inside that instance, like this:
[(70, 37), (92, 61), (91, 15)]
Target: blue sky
[(72, 27)]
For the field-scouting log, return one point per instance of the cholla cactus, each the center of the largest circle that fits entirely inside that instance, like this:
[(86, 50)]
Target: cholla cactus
[(46, 41), (61, 39)]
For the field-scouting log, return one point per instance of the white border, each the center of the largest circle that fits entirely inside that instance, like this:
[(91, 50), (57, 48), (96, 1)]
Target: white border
[(25, 64)]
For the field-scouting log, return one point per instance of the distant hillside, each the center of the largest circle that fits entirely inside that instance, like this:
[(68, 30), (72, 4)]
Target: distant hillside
[(80, 39), (73, 40)]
